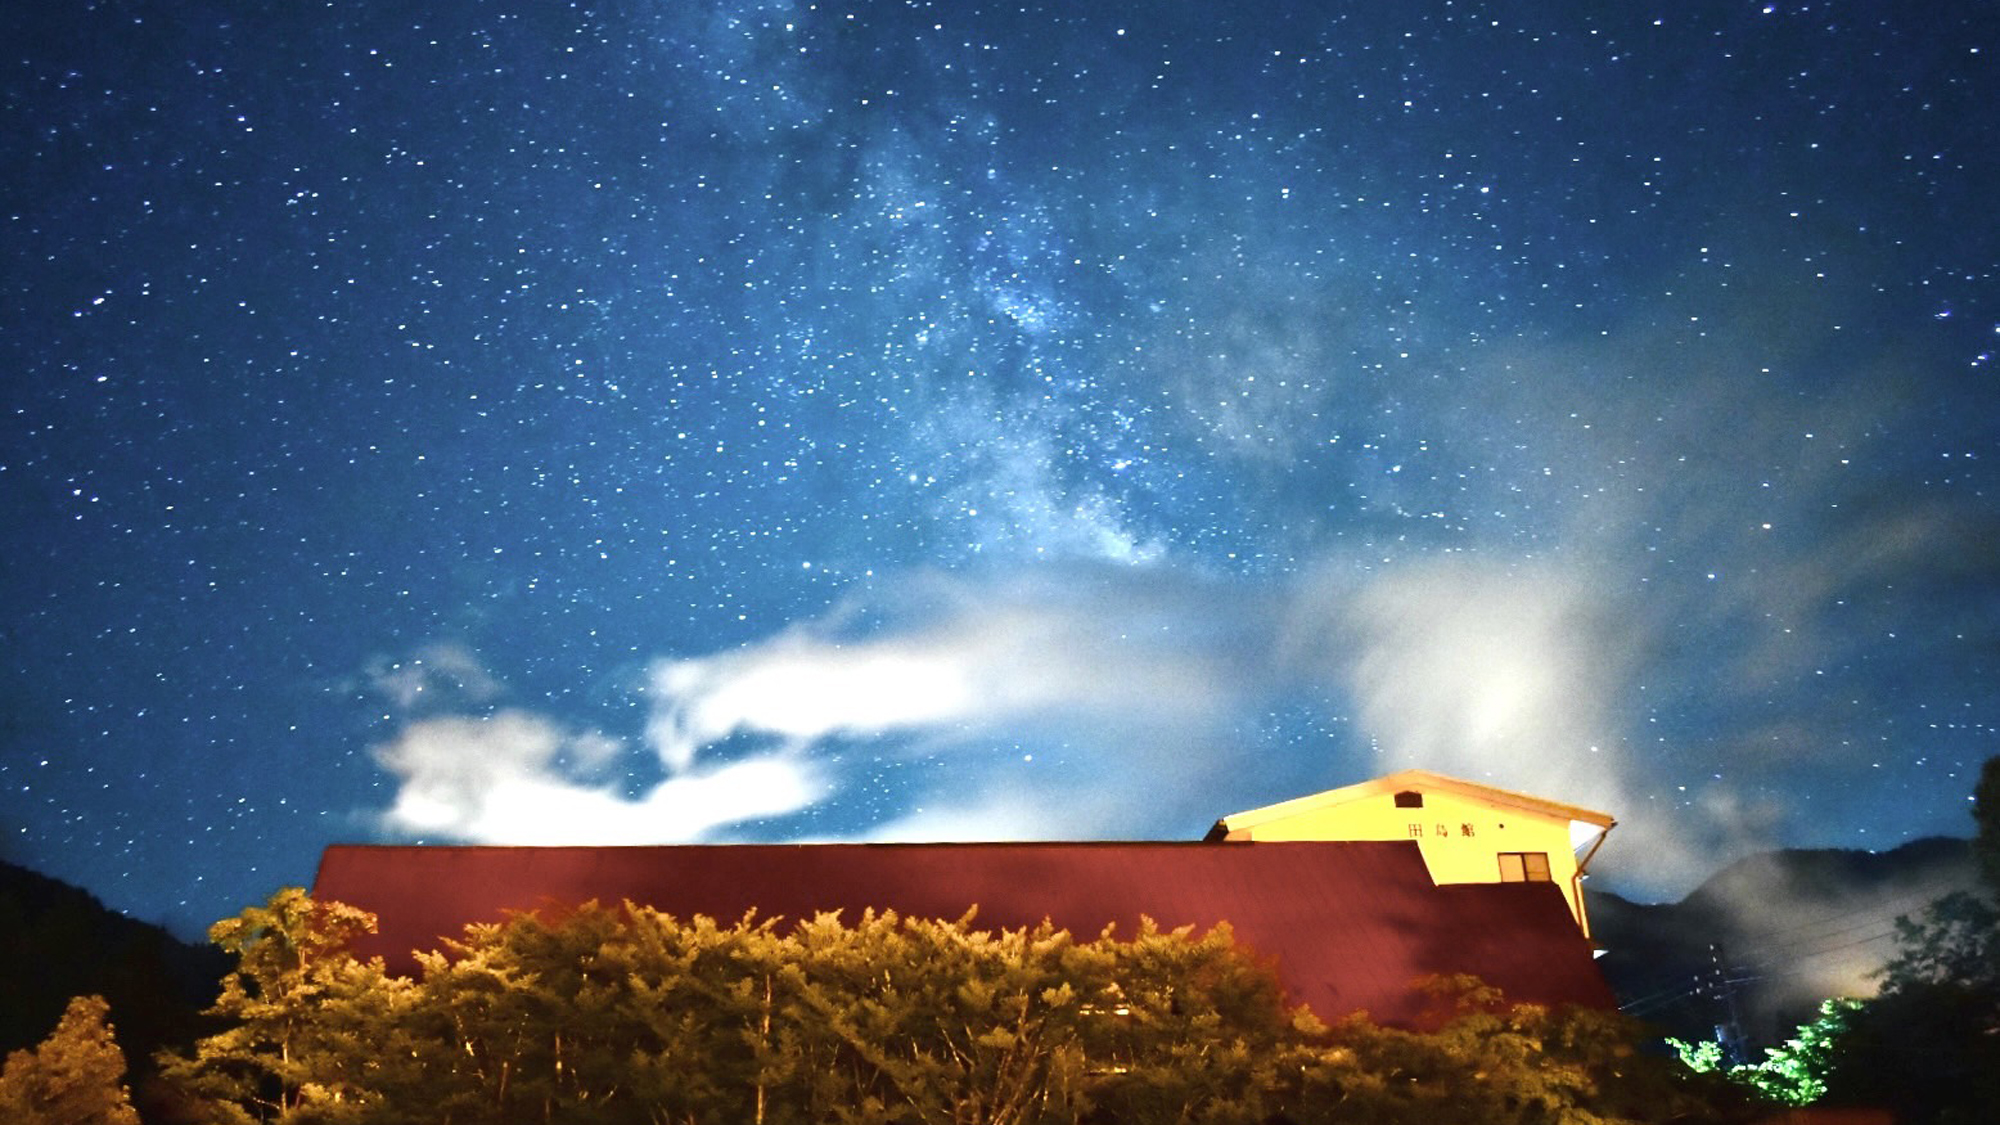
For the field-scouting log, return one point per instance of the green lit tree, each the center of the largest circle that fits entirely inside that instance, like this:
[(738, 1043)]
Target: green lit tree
[(1927, 1045), (1792, 1074), (75, 1076)]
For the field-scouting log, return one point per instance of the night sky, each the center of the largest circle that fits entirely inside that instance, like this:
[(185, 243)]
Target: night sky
[(544, 423)]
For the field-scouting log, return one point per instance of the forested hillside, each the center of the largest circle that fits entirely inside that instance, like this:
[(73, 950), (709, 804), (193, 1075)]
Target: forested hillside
[(62, 942)]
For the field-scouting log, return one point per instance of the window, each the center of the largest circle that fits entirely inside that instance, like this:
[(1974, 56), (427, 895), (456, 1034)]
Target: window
[(1409, 799), (1524, 867)]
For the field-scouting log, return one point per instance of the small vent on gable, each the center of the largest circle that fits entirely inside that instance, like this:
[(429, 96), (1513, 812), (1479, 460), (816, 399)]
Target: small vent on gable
[(1409, 799)]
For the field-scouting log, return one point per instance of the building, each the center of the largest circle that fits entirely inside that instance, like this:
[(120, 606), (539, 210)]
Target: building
[(1348, 924), (1467, 832)]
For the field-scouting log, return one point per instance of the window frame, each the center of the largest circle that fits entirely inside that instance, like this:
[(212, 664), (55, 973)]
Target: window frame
[(1525, 866)]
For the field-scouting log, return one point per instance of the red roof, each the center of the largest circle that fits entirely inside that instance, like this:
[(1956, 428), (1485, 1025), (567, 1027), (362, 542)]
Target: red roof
[(1350, 924)]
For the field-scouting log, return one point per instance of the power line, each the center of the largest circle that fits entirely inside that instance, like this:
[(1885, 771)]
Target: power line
[(1829, 949)]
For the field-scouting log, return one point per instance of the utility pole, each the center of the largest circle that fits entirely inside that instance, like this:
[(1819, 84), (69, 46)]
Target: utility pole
[(1729, 1027)]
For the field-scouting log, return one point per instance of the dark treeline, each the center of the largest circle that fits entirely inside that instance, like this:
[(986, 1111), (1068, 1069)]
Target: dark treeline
[(61, 942)]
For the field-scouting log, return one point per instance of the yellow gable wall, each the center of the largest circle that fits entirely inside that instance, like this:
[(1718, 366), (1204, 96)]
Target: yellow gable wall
[(1461, 837)]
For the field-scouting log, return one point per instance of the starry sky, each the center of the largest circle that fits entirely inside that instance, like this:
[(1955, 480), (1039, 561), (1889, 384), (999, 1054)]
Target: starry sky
[(571, 423)]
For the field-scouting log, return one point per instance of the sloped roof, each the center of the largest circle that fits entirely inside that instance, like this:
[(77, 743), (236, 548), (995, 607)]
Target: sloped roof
[(1421, 780), (1350, 924)]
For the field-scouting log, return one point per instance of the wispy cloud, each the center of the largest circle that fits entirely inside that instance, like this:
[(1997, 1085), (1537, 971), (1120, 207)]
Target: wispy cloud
[(1001, 813), (442, 674), (1514, 673), (1519, 676), (1080, 646)]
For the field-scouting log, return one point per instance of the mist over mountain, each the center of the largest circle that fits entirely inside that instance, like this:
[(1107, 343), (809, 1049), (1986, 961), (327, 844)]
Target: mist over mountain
[(1765, 939)]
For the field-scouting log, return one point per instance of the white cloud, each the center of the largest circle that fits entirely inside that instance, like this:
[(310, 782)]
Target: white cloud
[(500, 780), (1152, 683), (1524, 676), (1476, 668)]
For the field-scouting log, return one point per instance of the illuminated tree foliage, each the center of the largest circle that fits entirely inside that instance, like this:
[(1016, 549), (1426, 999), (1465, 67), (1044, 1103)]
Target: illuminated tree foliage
[(629, 1015), (1793, 1074), (75, 1076), (1491, 1062), (298, 1006)]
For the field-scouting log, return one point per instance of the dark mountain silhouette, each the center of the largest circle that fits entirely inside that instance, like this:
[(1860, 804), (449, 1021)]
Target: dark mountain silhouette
[(1768, 937), (58, 941)]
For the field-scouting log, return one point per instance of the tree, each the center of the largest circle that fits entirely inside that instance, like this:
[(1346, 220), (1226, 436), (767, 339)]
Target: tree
[(523, 1020), (1928, 1044), (1793, 1074), (1503, 1064), (912, 1019), (1190, 1028), (289, 1001), (75, 1077), (1986, 814), (627, 1016)]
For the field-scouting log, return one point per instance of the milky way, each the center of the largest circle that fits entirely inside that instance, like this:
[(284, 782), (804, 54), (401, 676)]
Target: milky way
[(468, 422)]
